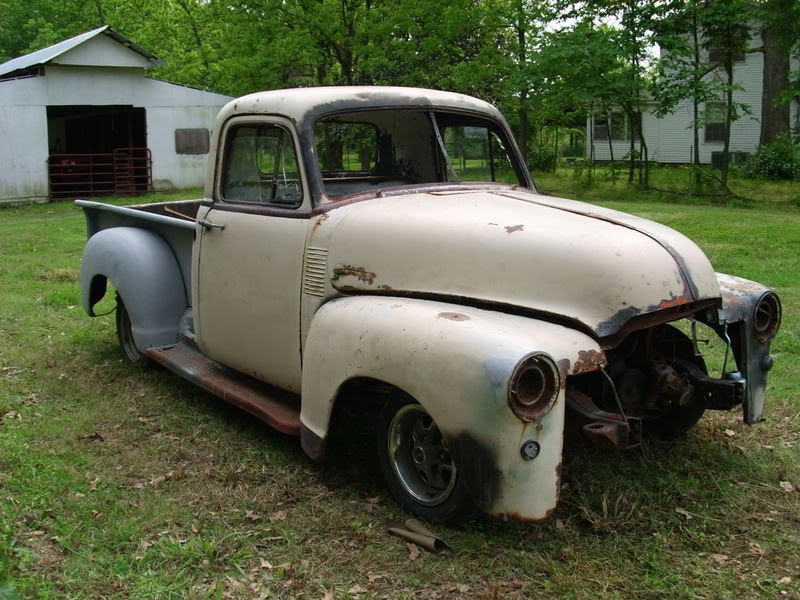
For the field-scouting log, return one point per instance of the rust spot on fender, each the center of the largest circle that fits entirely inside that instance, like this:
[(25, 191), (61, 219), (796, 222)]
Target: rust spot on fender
[(674, 301), (588, 360), (350, 271), (322, 218), (453, 316), (513, 228)]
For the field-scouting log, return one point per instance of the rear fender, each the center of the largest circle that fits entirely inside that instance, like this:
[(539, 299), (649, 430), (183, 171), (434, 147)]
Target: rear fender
[(456, 361), (145, 273)]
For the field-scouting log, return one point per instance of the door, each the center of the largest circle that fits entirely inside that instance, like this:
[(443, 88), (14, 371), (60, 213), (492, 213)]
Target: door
[(250, 255)]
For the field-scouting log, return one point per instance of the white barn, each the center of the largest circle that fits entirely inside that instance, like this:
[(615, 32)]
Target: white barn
[(81, 118), (670, 139)]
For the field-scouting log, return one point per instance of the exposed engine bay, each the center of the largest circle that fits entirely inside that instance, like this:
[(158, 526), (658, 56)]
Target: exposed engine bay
[(657, 380)]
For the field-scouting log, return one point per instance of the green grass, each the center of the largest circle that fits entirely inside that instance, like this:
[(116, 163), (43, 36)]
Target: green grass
[(116, 483), (574, 183)]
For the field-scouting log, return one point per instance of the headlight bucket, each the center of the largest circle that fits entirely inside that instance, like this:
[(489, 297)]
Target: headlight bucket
[(767, 317), (534, 387)]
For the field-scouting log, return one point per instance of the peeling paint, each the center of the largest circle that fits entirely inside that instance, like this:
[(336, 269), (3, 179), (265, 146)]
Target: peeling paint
[(588, 360), (360, 273), (453, 316), (673, 301)]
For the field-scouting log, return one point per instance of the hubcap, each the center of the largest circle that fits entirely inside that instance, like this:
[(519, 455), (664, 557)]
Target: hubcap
[(419, 456)]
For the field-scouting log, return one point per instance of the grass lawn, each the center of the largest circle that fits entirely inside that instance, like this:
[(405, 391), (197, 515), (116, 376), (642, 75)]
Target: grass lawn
[(121, 483)]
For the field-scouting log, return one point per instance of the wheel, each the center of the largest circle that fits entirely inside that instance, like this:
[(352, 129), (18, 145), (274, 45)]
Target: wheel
[(677, 420), (130, 353), (416, 463)]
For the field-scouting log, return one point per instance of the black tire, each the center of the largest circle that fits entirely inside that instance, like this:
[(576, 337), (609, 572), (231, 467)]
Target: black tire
[(677, 420), (441, 499), (130, 353)]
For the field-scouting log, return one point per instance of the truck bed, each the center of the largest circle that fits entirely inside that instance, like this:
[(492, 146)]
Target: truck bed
[(174, 221)]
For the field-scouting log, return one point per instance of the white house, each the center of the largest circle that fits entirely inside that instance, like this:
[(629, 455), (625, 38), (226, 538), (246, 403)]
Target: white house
[(81, 118), (670, 139)]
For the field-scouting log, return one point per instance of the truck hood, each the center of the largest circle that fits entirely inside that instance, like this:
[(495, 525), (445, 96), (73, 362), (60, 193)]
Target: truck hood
[(597, 266)]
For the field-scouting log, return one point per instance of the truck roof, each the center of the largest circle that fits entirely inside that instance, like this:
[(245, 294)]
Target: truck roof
[(300, 104)]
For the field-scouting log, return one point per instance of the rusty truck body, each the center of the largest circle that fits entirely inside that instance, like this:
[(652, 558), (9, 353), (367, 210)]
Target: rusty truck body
[(392, 241)]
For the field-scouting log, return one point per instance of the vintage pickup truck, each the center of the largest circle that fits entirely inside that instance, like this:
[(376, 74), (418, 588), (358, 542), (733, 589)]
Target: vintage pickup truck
[(389, 244)]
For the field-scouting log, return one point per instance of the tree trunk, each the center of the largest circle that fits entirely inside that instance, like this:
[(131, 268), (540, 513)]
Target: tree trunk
[(591, 141), (524, 120), (698, 179), (198, 40), (775, 80), (555, 151), (632, 162), (101, 15), (728, 120), (611, 148), (524, 125)]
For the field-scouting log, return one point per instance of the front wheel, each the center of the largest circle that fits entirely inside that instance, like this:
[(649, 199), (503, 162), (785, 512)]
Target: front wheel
[(417, 465), (130, 353), (675, 420)]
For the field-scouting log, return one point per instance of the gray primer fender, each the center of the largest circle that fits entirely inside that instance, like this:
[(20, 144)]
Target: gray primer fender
[(145, 272)]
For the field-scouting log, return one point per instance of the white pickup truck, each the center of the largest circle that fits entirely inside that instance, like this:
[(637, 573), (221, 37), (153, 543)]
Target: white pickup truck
[(391, 242)]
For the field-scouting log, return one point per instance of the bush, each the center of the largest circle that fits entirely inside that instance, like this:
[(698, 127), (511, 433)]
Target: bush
[(778, 160), (541, 158)]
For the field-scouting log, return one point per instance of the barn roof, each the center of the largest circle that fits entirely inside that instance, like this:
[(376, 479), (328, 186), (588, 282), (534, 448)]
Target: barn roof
[(46, 55)]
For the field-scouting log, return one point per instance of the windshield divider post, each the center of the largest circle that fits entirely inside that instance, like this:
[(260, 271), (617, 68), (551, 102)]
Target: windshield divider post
[(440, 141)]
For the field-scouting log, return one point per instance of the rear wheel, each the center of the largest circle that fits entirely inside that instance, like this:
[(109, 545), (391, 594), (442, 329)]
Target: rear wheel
[(130, 353), (417, 465)]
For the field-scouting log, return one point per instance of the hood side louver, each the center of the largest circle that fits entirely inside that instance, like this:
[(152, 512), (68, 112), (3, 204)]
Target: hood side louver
[(315, 272)]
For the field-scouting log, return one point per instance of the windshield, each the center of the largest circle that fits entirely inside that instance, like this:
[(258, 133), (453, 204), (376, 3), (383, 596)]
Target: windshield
[(371, 150)]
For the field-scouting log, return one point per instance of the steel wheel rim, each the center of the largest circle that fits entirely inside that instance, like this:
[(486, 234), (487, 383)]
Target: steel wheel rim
[(419, 456), (126, 336)]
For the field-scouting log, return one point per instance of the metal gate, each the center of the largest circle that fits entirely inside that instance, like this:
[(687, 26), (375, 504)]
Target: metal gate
[(123, 171)]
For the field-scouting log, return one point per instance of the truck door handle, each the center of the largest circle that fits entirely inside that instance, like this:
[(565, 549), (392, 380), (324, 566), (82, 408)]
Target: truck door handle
[(209, 225)]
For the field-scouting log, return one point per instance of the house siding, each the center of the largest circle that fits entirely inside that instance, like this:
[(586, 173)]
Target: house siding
[(670, 139)]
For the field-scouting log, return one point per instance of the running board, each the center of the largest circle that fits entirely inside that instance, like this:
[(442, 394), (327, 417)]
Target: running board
[(276, 408)]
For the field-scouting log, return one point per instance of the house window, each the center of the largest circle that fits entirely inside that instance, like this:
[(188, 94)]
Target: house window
[(617, 123), (716, 56), (715, 122), (191, 141)]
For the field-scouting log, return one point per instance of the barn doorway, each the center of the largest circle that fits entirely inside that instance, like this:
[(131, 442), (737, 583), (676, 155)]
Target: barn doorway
[(97, 151)]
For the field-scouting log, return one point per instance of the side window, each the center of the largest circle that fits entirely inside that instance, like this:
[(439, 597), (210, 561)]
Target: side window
[(261, 166), (477, 154)]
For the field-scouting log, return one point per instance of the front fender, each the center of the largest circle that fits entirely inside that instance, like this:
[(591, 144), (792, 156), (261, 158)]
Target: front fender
[(145, 273), (456, 361), (736, 320)]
